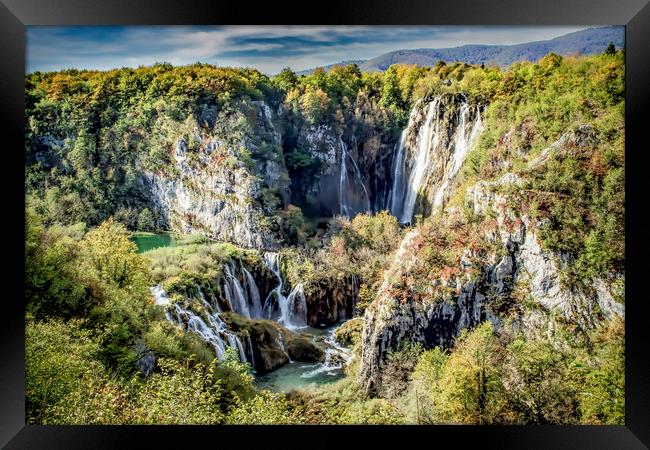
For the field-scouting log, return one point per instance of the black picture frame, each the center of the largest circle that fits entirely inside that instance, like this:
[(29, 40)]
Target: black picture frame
[(15, 15)]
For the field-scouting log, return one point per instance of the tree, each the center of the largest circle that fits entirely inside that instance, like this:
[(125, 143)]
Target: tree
[(426, 384), (538, 380), (108, 254), (146, 220), (471, 388), (602, 396), (390, 94), (400, 363), (314, 104), (610, 50), (52, 285), (286, 79)]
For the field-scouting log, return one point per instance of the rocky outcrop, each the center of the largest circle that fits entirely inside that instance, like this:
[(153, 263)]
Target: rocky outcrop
[(330, 301), (438, 322), (270, 345), (349, 333), (387, 321), (215, 185)]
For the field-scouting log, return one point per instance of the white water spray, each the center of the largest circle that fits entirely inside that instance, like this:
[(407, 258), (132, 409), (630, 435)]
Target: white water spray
[(213, 332)]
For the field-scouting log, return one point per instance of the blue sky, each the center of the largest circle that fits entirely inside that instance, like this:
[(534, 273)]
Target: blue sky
[(267, 48)]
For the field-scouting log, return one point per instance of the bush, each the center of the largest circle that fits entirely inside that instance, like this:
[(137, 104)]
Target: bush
[(266, 408), (397, 370)]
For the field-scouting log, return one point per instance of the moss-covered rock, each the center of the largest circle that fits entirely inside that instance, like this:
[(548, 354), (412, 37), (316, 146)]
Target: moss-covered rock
[(273, 345), (349, 333)]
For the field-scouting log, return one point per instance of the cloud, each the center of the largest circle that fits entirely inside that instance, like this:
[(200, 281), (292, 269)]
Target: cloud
[(268, 48)]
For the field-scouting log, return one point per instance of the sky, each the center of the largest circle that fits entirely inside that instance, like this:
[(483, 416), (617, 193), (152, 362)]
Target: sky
[(266, 48)]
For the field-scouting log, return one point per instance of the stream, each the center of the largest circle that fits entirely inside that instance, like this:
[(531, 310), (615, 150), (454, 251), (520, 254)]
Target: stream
[(297, 375)]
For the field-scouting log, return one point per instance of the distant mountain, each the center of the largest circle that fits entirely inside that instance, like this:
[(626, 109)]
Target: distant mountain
[(330, 66), (585, 42)]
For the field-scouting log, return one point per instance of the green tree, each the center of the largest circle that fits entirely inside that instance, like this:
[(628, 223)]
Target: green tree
[(610, 50), (286, 79), (52, 284), (399, 365), (472, 391), (423, 401), (390, 94), (539, 383), (602, 396), (108, 254), (314, 104), (146, 220)]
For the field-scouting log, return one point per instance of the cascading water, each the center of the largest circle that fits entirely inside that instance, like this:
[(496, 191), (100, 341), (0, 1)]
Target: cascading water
[(213, 332), (462, 144), (253, 295), (347, 207), (344, 357), (282, 347), (293, 308), (238, 300), (412, 167), (297, 305)]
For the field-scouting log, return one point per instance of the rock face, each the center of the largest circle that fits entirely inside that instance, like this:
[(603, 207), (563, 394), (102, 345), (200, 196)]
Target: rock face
[(346, 175), (437, 323), (331, 301), (270, 344), (387, 321), (216, 183)]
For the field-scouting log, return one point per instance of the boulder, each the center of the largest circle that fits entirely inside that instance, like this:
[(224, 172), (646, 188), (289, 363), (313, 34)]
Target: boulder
[(271, 344)]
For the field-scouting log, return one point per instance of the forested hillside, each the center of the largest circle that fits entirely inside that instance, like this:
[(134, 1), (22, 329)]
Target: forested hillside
[(458, 228)]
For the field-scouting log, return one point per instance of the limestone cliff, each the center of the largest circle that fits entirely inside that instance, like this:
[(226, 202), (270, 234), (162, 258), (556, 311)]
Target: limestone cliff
[(218, 178), (467, 300)]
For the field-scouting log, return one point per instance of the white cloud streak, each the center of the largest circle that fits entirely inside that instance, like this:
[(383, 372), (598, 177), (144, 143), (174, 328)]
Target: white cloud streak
[(267, 48)]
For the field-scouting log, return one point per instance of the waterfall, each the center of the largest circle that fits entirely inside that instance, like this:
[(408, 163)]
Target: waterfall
[(238, 300), (214, 332), (297, 304), (293, 308), (250, 350), (399, 187), (281, 346), (343, 178), (421, 158), (413, 167), (345, 188), (462, 145), (253, 295), (333, 349)]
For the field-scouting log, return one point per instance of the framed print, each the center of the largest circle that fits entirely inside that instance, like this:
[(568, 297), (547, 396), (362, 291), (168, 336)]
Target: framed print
[(412, 221)]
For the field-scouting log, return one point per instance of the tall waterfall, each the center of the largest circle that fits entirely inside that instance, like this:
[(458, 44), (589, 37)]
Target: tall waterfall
[(434, 151), (209, 326), (293, 308), (351, 200)]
